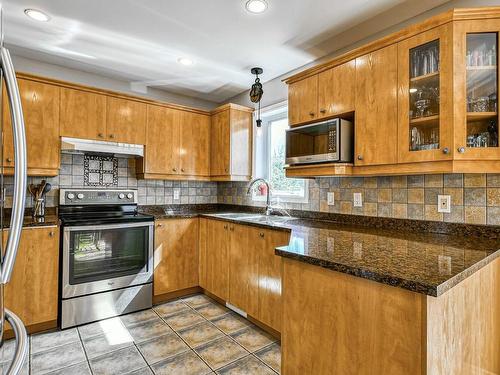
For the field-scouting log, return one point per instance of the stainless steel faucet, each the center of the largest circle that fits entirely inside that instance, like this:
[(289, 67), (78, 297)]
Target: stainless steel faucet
[(268, 197)]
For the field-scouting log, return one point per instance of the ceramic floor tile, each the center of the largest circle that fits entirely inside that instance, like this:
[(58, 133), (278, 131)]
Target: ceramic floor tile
[(78, 369), (25, 370), (102, 344), (151, 329), (57, 358), (44, 341), (230, 323), (187, 363), (184, 319), (245, 366), (162, 347), (118, 362), (212, 310), (221, 352), (271, 355), (171, 308), (200, 334), (253, 338), (101, 327), (142, 371), (7, 351), (138, 317), (197, 300)]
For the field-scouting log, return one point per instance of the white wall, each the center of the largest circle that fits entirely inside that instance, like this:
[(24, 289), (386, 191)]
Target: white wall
[(27, 65), (275, 90)]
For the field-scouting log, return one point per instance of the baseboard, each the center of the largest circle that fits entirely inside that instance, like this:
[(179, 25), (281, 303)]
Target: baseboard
[(165, 297)]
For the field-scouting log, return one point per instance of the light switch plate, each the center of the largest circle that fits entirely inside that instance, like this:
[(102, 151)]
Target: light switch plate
[(331, 198), (444, 203), (177, 194), (358, 200)]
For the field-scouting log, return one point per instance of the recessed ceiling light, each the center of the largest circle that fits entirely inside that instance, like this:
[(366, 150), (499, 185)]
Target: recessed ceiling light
[(37, 15), (185, 61), (256, 6)]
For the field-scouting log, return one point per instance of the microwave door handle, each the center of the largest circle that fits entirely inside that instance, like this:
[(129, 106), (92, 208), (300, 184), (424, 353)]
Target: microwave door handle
[(18, 201)]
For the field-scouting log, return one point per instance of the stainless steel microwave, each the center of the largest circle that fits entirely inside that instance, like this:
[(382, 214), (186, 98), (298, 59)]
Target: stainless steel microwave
[(327, 141)]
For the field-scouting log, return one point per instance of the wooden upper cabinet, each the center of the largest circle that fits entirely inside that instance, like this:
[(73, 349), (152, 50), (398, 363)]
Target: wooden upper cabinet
[(83, 114), (40, 104), (32, 292), (194, 144), (376, 124), (220, 156), (176, 255), (425, 96), (336, 90), (475, 89), (303, 101), (231, 143), (162, 141), (125, 120)]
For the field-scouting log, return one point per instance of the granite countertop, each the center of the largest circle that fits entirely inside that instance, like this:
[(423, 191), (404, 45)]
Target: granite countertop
[(422, 262), (29, 221)]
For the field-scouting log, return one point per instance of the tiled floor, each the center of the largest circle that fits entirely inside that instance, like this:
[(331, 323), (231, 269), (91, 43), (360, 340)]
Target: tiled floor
[(191, 336)]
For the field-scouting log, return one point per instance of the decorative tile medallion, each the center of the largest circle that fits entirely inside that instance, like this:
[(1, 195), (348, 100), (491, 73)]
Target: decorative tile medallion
[(100, 170)]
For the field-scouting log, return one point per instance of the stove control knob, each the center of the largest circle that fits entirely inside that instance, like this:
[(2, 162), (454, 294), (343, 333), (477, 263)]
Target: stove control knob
[(80, 196), (121, 195), (71, 196), (130, 195)]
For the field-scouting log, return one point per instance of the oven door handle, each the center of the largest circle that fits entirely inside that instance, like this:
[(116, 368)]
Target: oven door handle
[(20, 166), (108, 226)]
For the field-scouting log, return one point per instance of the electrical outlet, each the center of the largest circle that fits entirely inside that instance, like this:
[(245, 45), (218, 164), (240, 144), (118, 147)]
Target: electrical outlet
[(358, 200), (177, 194), (331, 198), (444, 203)]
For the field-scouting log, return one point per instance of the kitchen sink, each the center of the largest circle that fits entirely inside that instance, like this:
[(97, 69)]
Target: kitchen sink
[(256, 218)]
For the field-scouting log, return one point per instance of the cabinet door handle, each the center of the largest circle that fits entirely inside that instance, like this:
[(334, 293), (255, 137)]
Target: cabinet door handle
[(111, 136), (9, 160), (174, 169), (225, 226), (322, 110), (461, 149), (231, 228), (51, 234), (446, 150), (225, 170), (261, 234), (159, 225), (182, 169), (360, 157), (100, 135), (311, 114)]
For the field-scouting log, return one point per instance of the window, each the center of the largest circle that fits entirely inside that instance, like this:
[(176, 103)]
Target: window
[(270, 158)]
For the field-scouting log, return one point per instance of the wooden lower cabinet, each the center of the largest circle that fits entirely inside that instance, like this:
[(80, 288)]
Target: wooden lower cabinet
[(175, 255), (341, 324), (214, 257), (238, 265), (32, 292)]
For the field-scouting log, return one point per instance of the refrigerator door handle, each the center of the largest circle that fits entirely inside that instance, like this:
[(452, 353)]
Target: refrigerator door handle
[(21, 343), (20, 171)]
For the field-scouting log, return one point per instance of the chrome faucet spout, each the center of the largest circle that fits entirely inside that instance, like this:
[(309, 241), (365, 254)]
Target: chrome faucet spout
[(268, 195)]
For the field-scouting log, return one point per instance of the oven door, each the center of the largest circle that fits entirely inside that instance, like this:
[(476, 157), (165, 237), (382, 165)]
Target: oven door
[(106, 257)]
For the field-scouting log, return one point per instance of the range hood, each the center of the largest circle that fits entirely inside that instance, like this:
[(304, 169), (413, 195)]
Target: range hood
[(78, 146)]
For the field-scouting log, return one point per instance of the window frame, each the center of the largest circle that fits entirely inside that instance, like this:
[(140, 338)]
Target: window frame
[(281, 110)]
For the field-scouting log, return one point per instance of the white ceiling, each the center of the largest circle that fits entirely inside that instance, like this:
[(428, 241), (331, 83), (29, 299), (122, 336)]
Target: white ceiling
[(140, 41)]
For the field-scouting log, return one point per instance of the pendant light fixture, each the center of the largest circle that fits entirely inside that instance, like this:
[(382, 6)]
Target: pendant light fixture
[(256, 92)]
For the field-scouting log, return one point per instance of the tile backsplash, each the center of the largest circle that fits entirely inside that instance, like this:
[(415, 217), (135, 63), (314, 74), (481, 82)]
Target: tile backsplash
[(150, 192), (475, 198)]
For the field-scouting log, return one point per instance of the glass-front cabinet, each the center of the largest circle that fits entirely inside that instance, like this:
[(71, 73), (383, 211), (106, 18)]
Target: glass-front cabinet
[(476, 89), (424, 97)]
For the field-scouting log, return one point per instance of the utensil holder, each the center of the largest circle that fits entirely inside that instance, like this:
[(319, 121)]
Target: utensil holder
[(39, 208)]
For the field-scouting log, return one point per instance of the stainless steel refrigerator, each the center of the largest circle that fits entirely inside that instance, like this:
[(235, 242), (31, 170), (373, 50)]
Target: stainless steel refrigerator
[(15, 223)]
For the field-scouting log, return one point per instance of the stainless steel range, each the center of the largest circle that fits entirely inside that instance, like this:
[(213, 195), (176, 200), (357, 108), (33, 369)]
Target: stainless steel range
[(107, 255)]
